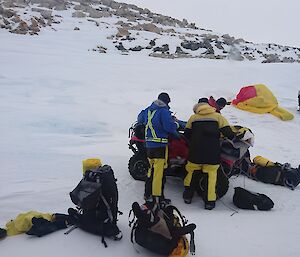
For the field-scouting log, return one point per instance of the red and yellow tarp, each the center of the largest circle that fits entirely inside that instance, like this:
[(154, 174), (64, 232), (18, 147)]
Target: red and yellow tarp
[(259, 99)]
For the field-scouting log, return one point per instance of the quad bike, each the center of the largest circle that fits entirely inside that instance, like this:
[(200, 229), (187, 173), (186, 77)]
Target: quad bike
[(231, 155)]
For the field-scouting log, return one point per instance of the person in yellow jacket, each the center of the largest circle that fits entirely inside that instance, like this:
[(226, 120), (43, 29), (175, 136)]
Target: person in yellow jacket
[(203, 130)]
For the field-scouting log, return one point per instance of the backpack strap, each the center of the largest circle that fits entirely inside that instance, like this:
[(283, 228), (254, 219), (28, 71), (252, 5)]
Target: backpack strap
[(110, 216), (70, 229), (133, 220), (135, 224), (108, 209), (184, 222), (102, 235), (192, 243)]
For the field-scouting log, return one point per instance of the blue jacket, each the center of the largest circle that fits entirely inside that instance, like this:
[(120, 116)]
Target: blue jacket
[(160, 126)]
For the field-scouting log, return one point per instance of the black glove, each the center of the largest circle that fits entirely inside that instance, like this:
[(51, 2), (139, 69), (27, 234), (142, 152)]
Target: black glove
[(41, 227)]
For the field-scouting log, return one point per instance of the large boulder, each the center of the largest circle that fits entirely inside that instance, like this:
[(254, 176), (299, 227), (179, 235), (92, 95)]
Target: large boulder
[(46, 14), (151, 28), (271, 58), (78, 14), (7, 13), (191, 45), (122, 32), (228, 40)]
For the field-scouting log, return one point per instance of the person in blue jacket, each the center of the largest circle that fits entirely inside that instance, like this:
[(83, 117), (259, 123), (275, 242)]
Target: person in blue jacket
[(159, 125)]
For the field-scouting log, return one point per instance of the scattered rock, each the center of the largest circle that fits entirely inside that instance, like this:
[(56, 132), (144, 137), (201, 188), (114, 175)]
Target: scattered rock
[(210, 36), (138, 20), (164, 48), (16, 19), (207, 44), (179, 50), (34, 23), (7, 13), (21, 29), (102, 49), (98, 14), (162, 55), (152, 42), (185, 22), (239, 41), (271, 58), (120, 47), (192, 26), (96, 22), (191, 45), (219, 45), (23, 26), (228, 40), (151, 28), (123, 24), (78, 14), (249, 57), (122, 32), (136, 48), (214, 57), (6, 22), (46, 14), (128, 38), (169, 31), (41, 21), (106, 2)]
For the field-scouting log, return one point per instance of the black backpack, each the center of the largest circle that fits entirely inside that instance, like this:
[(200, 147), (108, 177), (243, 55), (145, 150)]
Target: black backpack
[(160, 232), (245, 199), (280, 174), (96, 196)]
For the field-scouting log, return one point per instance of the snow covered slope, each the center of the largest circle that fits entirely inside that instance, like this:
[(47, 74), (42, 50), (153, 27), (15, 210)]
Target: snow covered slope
[(129, 29), (61, 103)]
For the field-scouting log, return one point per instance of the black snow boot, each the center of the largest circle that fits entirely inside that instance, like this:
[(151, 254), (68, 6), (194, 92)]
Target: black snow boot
[(188, 194), (3, 233), (209, 205)]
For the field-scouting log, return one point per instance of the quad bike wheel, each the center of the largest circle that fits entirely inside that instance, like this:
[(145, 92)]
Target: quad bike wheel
[(221, 187), (138, 166)]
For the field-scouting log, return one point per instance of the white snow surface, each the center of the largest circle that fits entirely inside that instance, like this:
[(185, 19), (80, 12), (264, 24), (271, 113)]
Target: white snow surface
[(268, 21), (61, 103)]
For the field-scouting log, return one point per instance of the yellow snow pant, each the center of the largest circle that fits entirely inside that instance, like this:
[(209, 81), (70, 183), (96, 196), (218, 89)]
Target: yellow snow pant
[(156, 170), (211, 170)]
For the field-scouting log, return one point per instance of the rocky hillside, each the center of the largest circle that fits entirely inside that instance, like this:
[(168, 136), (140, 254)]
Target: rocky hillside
[(129, 29)]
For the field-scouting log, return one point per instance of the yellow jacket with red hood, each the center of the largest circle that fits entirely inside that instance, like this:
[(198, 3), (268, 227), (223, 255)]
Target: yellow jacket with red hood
[(203, 130)]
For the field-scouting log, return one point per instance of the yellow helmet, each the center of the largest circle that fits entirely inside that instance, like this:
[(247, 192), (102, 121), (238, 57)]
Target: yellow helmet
[(91, 163)]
